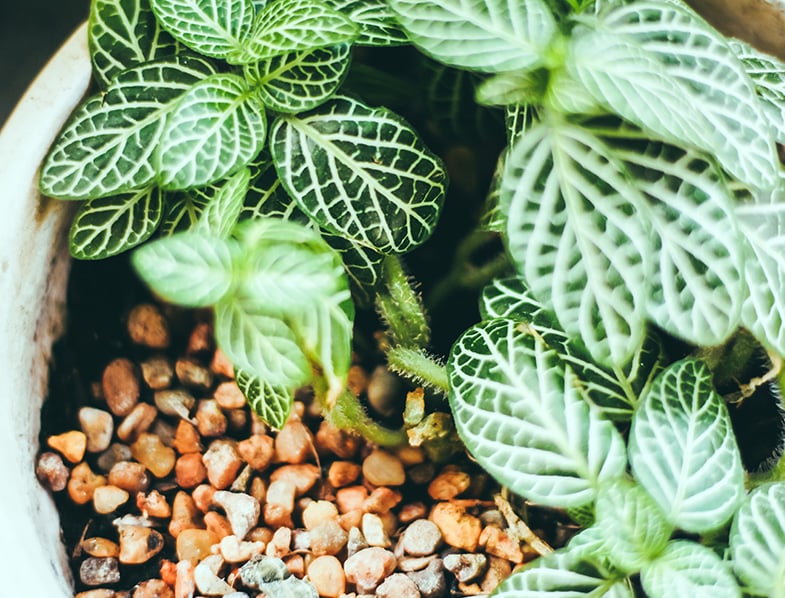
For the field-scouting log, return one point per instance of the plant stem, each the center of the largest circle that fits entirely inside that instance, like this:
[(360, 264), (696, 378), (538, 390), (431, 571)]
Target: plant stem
[(419, 367), (348, 414), (401, 307)]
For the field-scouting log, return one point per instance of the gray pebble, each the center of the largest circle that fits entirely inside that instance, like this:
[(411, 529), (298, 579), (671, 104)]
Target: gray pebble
[(431, 581), (466, 567), (99, 571)]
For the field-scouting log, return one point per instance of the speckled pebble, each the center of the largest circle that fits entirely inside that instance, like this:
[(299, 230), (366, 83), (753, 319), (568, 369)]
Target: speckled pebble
[(222, 463), (242, 510), (466, 567), (120, 383), (96, 571), (52, 472)]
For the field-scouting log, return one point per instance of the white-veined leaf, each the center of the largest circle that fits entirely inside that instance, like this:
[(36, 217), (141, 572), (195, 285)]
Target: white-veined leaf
[(272, 404), (575, 235), (122, 34), (286, 26), (757, 540), (363, 267), (216, 29), (107, 145), (633, 528), (362, 173), (378, 25), (699, 57), (108, 226), (524, 419), (300, 81), (189, 269), (261, 345), (763, 232), (683, 451), (221, 214), (484, 35), (687, 568), (216, 127), (183, 210), (267, 197)]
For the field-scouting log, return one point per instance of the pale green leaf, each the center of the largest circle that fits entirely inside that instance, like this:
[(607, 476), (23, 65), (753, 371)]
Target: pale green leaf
[(757, 541), (222, 212), (484, 35), (575, 235), (212, 28), (699, 57), (108, 226), (683, 451), (216, 127), (377, 22), (524, 418), (363, 267), (261, 345), (689, 569), (287, 26), (763, 232), (183, 209), (107, 146), (511, 89), (189, 269), (633, 528), (272, 404), (122, 34), (299, 81), (362, 173)]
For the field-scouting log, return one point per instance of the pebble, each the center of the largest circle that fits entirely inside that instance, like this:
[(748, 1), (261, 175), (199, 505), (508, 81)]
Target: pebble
[(210, 420), (398, 585), (355, 542), (466, 567), (120, 383), (153, 454), (381, 500), (153, 504), (97, 593), (327, 576), (303, 476), (381, 468), (95, 571), (193, 374), (317, 512), (153, 588), (431, 581), (294, 443), (328, 538), (459, 529), (343, 473), (222, 463), (218, 524), (98, 427), (138, 544), (449, 484), (414, 563), (203, 497), (229, 396), (186, 438), (100, 547), (107, 499), (384, 391), (373, 530), (221, 364), (411, 512), (206, 578), (280, 544), (52, 472), (351, 498), (242, 510), (157, 372), (421, 538), (137, 422), (114, 454), (280, 503), (201, 339), (189, 471), (257, 451), (130, 476), (184, 586), (499, 543), (82, 483), (369, 567), (340, 443), (234, 550), (71, 445), (195, 544), (175, 402), (184, 514), (148, 327)]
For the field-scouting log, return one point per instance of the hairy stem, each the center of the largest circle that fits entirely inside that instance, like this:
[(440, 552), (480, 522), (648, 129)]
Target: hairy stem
[(401, 307), (348, 414), (419, 367)]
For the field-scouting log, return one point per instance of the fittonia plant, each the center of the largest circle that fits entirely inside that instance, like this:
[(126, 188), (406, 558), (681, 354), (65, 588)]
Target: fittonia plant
[(640, 200)]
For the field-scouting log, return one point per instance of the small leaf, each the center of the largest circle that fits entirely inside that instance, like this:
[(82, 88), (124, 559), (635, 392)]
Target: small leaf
[(107, 146), (217, 127), (287, 26), (362, 173), (189, 269), (261, 345), (683, 451), (524, 419), (216, 29), (485, 35), (757, 540), (122, 34), (377, 22), (692, 568), (223, 211), (515, 88), (633, 527), (183, 209), (299, 81), (272, 404), (111, 225)]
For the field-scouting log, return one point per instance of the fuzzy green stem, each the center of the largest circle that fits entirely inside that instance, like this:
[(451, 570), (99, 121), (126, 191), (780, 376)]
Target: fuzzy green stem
[(401, 307), (419, 367), (348, 414)]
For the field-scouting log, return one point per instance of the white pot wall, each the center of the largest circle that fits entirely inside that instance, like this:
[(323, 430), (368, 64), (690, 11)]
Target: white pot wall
[(33, 272)]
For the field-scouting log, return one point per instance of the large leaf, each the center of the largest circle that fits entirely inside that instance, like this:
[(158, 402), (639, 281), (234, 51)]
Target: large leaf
[(267, 196), (363, 267), (689, 569), (221, 214), (261, 345), (763, 231), (122, 34), (287, 26), (110, 225), (362, 173), (575, 235), (484, 35), (217, 127), (300, 81), (272, 404), (698, 56), (107, 146), (377, 22), (757, 541), (683, 451), (189, 269), (216, 29), (522, 416)]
